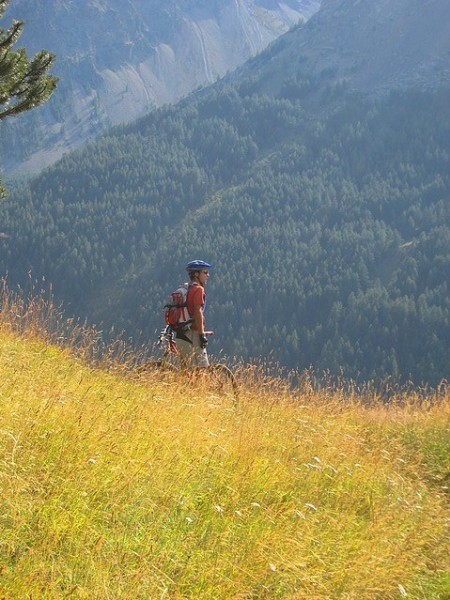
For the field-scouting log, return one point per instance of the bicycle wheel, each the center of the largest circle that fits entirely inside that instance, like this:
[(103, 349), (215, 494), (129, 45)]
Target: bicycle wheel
[(222, 382)]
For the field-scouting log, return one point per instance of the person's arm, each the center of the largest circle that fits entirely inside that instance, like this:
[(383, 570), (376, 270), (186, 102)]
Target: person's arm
[(199, 320)]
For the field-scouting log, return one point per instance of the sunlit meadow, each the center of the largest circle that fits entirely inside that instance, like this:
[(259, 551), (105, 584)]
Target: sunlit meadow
[(115, 484)]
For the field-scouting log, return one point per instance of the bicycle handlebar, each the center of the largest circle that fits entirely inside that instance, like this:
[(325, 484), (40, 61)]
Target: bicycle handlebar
[(168, 331)]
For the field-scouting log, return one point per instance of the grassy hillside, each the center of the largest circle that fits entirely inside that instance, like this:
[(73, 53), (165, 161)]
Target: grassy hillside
[(119, 486)]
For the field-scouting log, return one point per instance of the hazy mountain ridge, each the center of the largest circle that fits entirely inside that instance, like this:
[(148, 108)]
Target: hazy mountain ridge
[(118, 60), (360, 46)]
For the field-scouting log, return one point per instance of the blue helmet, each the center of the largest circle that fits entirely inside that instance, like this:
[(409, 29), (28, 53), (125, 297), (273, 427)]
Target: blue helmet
[(197, 265)]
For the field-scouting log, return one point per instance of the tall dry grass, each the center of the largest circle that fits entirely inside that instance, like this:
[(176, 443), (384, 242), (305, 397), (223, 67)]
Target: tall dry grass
[(118, 485)]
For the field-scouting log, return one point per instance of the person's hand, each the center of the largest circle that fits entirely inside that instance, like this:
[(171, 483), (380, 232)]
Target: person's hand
[(203, 341)]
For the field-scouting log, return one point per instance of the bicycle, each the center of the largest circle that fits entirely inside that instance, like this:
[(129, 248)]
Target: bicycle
[(218, 378)]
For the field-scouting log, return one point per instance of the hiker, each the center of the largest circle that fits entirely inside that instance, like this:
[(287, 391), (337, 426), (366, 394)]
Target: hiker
[(192, 342)]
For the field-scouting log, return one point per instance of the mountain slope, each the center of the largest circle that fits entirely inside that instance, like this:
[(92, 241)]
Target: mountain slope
[(330, 233), (363, 47), (117, 61)]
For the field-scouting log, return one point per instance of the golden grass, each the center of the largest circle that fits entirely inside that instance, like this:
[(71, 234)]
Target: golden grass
[(117, 486)]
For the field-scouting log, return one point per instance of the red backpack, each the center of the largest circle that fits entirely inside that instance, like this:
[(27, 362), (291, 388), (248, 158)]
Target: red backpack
[(176, 313)]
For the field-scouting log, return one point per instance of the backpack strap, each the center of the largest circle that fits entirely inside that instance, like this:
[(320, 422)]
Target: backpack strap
[(190, 286)]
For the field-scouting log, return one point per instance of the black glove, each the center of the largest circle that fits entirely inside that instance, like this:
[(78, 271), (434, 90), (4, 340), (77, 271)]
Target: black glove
[(203, 341)]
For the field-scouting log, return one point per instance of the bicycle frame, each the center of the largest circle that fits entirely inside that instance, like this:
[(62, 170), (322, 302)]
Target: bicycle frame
[(167, 336)]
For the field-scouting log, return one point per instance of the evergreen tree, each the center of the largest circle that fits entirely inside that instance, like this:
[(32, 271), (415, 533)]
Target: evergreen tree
[(24, 84)]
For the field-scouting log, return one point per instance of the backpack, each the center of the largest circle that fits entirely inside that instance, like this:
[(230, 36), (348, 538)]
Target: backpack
[(176, 313)]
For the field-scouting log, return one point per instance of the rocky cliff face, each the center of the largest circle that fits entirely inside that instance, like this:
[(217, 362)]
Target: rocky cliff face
[(118, 59)]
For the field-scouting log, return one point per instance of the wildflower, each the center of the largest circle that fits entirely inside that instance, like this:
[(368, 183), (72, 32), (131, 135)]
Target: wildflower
[(219, 508), (272, 567), (91, 461)]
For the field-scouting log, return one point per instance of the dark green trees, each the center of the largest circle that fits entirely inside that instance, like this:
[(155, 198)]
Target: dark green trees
[(24, 84)]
